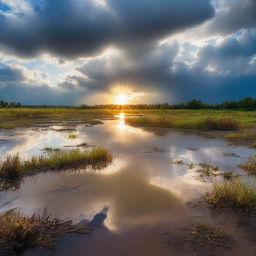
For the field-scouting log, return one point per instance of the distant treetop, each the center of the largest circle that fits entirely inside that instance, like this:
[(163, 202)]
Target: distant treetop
[(247, 103)]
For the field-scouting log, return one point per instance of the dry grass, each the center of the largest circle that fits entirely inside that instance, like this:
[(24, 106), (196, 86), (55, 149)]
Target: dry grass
[(229, 175), (19, 233), (223, 123), (50, 149), (250, 165), (13, 168), (8, 168), (20, 117), (234, 194), (10, 118), (72, 136), (197, 236), (207, 171), (242, 135), (245, 138)]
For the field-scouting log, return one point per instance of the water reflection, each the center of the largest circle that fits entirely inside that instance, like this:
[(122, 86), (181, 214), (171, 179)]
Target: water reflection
[(129, 201), (121, 123)]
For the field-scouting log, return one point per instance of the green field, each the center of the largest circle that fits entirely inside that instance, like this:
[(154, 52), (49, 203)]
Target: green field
[(240, 124), (13, 117)]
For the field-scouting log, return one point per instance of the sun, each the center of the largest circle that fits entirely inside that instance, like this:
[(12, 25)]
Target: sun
[(122, 99)]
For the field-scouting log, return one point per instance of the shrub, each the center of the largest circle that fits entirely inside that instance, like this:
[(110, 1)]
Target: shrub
[(233, 194)]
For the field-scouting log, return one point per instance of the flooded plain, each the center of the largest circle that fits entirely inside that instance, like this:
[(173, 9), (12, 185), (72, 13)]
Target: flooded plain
[(134, 201)]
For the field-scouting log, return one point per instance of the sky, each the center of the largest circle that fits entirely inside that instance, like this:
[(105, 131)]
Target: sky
[(72, 52)]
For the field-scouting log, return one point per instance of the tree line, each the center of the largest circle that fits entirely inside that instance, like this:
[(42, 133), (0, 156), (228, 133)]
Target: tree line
[(6, 104), (247, 103)]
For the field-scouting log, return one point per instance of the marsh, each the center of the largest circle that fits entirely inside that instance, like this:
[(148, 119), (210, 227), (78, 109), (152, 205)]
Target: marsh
[(137, 197)]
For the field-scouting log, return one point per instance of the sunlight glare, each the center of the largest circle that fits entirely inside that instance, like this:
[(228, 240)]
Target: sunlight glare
[(122, 99), (121, 124)]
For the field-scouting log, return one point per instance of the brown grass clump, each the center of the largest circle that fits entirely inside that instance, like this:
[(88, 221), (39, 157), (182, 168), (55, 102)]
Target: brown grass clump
[(8, 169), (222, 124), (197, 236), (19, 233), (207, 171), (197, 123), (250, 165), (13, 168), (234, 194)]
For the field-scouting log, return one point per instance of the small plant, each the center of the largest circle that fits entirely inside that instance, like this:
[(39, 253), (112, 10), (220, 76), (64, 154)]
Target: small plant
[(84, 144), (230, 154), (234, 194), (250, 165), (229, 175), (242, 135), (9, 168), (243, 138), (50, 149), (179, 162), (191, 165), (72, 136), (13, 168), (207, 170), (221, 124), (198, 235), (19, 233)]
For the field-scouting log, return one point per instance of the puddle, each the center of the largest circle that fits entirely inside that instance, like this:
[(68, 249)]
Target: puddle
[(132, 201)]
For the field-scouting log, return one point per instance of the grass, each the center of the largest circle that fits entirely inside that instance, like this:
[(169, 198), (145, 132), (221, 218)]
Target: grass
[(23, 117), (229, 175), (250, 165), (198, 235), (223, 123), (65, 130), (50, 149), (84, 144), (234, 194), (242, 135), (248, 138), (10, 118), (72, 136), (13, 168), (19, 233), (207, 171)]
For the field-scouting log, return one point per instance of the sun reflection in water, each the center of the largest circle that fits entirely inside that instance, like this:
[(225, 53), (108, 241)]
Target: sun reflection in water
[(126, 132), (121, 124)]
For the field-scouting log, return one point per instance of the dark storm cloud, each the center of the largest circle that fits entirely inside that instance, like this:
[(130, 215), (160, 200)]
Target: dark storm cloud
[(221, 66), (10, 74), (232, 52), (38, 95), (217, 72), (72, 28), (16, 84), (148, 68), (234, 15)]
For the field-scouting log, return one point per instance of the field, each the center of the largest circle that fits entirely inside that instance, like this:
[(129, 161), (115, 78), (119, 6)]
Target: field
[(183, 119), (143, 169)]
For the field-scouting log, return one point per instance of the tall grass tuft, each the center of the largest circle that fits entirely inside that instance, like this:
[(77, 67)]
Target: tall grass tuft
[(13, 167), (189, 123), (9, 168), (19, 233), (250, 165), (234, 194), (221, 124)]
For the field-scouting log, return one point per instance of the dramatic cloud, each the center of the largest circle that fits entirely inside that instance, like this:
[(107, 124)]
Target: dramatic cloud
[(180, 71), (40, 95), (73, 28), (76, 51), (8, 74), (234, 15)]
